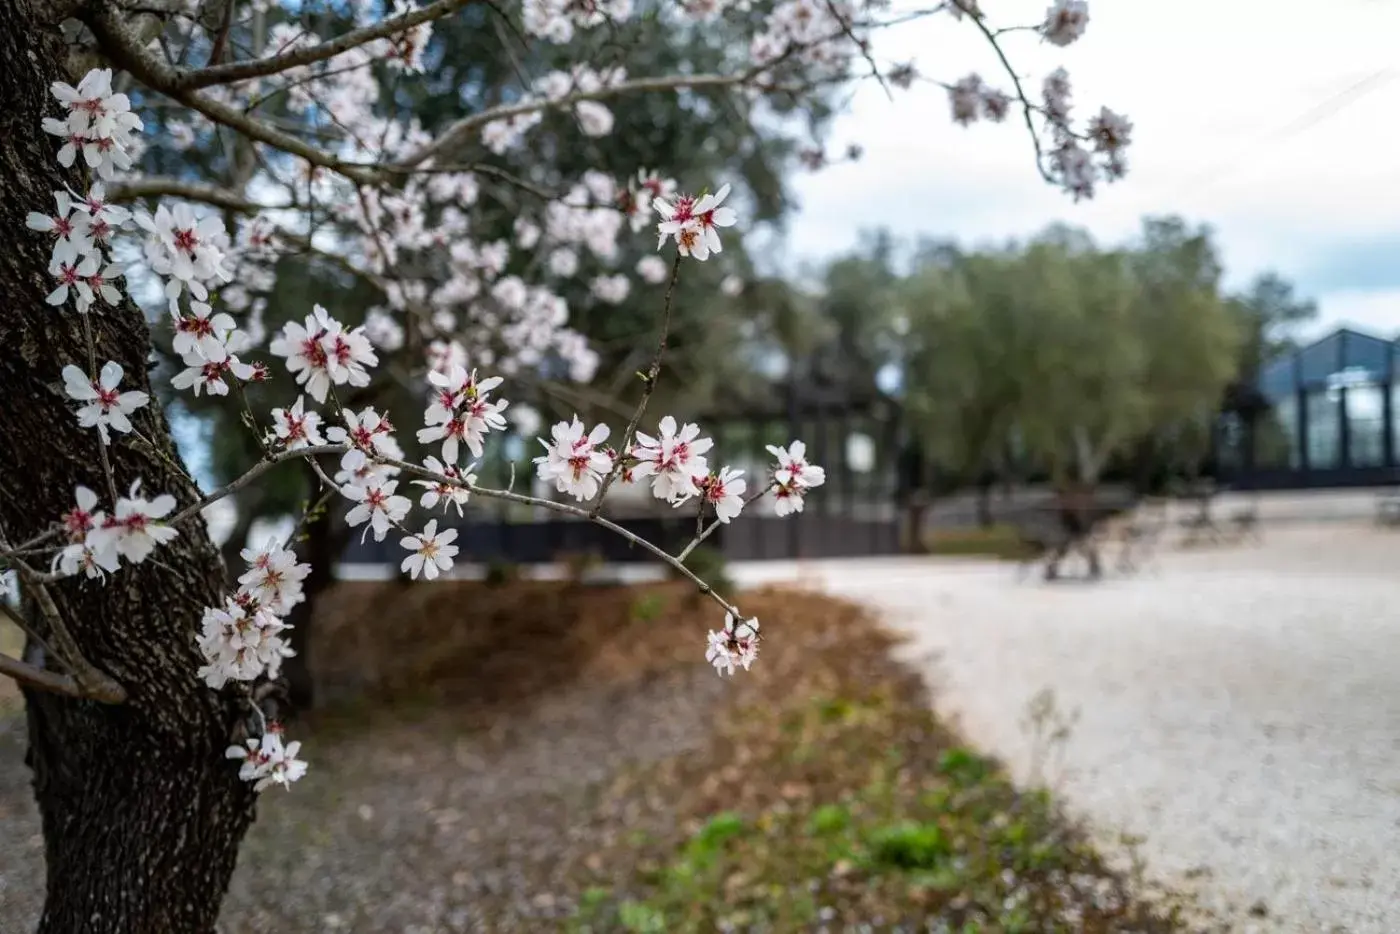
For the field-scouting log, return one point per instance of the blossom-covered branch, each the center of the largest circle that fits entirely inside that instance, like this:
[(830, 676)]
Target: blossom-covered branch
[(368, 189)]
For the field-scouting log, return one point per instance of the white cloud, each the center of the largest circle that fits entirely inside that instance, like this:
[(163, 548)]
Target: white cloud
[(1374, 311), (1269, 120)]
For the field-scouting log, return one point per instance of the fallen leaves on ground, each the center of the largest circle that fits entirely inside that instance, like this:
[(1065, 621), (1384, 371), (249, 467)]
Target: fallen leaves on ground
[(553, 757)]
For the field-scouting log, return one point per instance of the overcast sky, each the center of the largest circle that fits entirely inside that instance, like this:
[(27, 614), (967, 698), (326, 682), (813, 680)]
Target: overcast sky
[(1272, 120)]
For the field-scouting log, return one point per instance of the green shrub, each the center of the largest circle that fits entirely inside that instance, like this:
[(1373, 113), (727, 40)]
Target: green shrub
[(499, 573), (647, 607), (829, 819), (909, 845)]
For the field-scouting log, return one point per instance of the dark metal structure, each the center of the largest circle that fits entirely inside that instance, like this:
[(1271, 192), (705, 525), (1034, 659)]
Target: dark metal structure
[(1330, 418), (856, 437)]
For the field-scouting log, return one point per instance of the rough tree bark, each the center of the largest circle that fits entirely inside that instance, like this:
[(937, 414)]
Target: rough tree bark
[(142, 815), (325, 540)]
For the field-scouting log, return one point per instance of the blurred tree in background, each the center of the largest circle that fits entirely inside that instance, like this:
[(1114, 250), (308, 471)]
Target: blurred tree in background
[(1059, 357)]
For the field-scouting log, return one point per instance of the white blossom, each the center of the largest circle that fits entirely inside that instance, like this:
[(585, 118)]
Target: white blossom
[(367, 431), (296, 428), (449, 494), (733, 646), (431, 551), (694, 222), (134, 529), (611, 289), (376, 505), (673, 460), (266, 761), (274, 578), (1065, 21), (725, 492), (572, 459), (103, 406), (652, 269), (187, 250), (322, 354), (241, 641), (205, 375)]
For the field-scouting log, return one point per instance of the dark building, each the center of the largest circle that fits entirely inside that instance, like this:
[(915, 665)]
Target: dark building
[(1331, 419)]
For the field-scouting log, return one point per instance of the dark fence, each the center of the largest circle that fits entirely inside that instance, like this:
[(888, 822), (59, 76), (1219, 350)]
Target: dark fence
[(749, 538), (856, 437)]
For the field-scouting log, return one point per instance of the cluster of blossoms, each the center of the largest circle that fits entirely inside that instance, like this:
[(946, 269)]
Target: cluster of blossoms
[(97, 542), (694, 222), (1071, 165), (243, 639), (321, 354), (100, 125), (267, 760), (208, 345), (462, 412), (821, 34), (734, 645), (674, 463)]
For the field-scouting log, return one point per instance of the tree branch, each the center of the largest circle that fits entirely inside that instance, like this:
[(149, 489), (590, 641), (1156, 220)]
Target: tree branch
[(116, 41), (38, 678), (1027, 108), (261, 67), (456, 133), (150, 186), (89, 680)]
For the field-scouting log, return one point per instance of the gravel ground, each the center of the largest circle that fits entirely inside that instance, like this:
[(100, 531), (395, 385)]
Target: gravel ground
[(1238, 713)]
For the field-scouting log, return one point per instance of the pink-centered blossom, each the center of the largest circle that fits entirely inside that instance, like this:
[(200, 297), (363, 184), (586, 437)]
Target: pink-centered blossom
[(673, 459), (573, 460), (735, 645), (431, 551), (103, 404)]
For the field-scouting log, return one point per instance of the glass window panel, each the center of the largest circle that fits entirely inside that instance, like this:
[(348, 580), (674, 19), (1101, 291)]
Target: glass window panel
[(1276, 436), (1230, 442), (1324, 430), (1365, 407)]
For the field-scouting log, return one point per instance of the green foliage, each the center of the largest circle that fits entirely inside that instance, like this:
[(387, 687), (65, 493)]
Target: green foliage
[(995, 541), (501, 573), (829, 819), (1269, 315), (1065, 354), (965, 766), (647, 607), (909, 845), (639, 918)]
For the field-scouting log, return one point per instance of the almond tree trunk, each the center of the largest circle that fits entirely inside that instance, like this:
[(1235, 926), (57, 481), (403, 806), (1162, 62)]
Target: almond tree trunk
[(142, 815)]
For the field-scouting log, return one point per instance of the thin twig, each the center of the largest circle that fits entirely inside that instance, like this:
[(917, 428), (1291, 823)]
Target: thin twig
[(650, 378), (1027, 108), (685, 552)]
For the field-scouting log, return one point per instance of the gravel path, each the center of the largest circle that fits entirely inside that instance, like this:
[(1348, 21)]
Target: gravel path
[(1238, 709)]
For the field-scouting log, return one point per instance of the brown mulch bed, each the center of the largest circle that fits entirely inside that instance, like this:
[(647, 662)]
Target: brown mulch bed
[(548, 757)]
